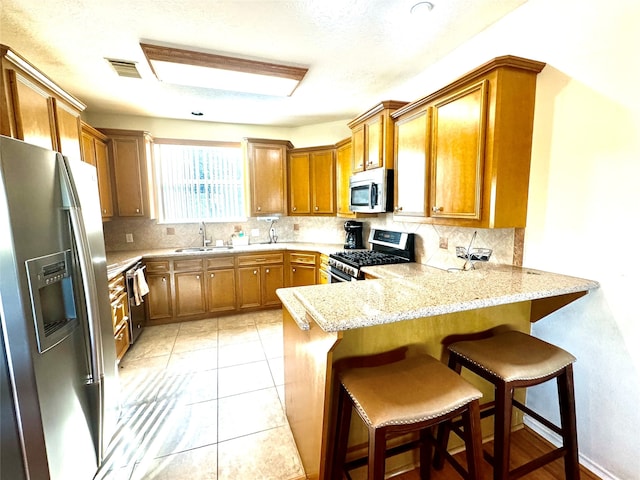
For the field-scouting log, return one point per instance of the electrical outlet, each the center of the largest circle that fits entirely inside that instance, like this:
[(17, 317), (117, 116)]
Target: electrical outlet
[(444, 243), (171, 231), (129, 237)]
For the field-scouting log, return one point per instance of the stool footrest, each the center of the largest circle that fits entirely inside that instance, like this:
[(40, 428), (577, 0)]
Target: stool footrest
[(529, 467), (538, 417), (397, 450)]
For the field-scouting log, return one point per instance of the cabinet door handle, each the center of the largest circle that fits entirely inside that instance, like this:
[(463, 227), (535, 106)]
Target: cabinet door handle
[(437, 209), (137, 210), (294, 270), (213, 275), (259, 208), (267, 270), (255, 272), (317, 208), (197, 277), (294, 208), (398, 209), (164, 279)]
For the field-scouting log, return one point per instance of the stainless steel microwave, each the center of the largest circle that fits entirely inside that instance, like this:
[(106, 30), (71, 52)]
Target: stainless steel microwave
[(371, 191)]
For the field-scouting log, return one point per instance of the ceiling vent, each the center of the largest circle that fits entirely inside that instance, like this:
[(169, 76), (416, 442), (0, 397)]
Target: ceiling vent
[(124, 68)]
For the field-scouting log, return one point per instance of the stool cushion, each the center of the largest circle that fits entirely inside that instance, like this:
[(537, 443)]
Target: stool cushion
[(514, 356), (409, 391)]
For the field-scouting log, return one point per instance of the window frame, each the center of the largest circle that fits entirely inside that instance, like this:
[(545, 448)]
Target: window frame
[(198, 143)]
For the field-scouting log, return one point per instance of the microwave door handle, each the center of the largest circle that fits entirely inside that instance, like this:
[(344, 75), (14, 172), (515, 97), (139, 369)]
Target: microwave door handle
[(374, 195), (70, 202)]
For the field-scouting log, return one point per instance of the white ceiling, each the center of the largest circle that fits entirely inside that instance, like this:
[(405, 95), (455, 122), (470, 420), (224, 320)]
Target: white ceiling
[(355, 50)]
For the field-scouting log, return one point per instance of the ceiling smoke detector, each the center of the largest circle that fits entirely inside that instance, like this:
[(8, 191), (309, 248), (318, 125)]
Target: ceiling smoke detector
[(124, 68)]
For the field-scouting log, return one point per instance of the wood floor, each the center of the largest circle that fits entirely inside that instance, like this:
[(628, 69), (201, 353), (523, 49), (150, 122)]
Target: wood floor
[(525, 445)]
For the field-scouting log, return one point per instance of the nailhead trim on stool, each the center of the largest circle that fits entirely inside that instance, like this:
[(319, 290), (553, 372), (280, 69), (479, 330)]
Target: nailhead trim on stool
[(516, 360), (410, 395)]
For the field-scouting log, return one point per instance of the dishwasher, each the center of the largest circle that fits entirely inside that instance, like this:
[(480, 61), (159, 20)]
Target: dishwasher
[(136, 309)]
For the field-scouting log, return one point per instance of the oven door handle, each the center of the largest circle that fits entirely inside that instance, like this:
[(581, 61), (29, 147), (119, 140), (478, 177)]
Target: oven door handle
[(334, 276)]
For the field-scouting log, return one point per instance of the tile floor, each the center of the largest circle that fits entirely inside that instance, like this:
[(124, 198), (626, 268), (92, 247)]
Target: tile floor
[(205, 400)]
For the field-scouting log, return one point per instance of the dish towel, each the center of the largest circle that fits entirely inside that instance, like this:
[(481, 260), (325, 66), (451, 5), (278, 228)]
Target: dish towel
[(140, 287)]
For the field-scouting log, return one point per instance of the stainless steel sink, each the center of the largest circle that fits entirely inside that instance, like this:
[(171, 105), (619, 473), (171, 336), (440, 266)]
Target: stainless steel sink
[(203, 249)]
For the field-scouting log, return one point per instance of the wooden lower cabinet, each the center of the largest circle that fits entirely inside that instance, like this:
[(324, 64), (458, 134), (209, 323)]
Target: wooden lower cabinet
[(159, 305), (119, 314), (190, 291), (257, 286), (249, 287), (188, 288), (272, 279), (323, 270), (221, 290), (301, 269)]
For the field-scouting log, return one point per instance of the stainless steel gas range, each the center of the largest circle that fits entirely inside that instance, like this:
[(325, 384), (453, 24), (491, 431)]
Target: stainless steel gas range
[(387, 247)]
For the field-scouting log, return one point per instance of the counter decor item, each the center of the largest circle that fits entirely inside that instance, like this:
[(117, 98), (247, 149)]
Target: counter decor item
[(472, 255)]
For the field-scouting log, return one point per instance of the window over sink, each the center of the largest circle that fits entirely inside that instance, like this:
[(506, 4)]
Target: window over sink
[(199, 181)]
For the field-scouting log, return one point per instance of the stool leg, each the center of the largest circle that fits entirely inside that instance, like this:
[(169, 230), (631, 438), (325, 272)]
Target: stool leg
[(444, 429), (566, 397), (502, 431), (426, 451), (473, 440), (342, 434), (377, 449)]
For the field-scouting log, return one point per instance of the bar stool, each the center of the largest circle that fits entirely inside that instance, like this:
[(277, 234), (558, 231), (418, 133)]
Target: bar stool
[(513, 360), (409, 395)]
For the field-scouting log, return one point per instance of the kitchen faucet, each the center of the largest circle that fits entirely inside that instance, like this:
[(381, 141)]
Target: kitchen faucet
[(203, 232)]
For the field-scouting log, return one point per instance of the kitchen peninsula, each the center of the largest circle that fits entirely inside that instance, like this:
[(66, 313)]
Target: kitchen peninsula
[(408, 304)]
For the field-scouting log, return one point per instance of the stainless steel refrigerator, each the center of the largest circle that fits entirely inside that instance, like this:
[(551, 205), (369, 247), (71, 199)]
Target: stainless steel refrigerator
[(58, 372)]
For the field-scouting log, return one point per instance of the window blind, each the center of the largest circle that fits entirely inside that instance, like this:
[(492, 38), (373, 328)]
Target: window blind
[(199, 182)]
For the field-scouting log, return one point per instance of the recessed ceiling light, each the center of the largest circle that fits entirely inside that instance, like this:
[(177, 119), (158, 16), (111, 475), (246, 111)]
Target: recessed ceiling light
[(421, 7), (185, 67)]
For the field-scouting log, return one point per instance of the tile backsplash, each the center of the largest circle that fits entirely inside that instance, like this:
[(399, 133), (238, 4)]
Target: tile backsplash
[(148, 234)]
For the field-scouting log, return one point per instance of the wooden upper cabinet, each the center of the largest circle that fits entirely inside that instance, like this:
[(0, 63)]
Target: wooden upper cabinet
[(267, 176), (372, 137), (95, 152), (344, 169), (299, 176), (323, 181), (477, 148), (411, 154), (34, 109), (312, 174), (131, 163), (68, 130), (458, 141)]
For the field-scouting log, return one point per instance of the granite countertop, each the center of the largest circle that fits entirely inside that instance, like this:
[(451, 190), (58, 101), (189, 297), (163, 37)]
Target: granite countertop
[(118, 262), (409, 291)]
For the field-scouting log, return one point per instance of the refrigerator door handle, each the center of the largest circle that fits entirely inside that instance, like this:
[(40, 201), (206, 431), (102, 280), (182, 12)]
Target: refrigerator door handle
[(71, 203)]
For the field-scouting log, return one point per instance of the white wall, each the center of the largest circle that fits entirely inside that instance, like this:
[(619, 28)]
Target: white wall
[(314, 135), (584, 200)]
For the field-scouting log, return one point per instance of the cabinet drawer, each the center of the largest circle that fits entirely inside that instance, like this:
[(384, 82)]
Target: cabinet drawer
[(121, 339), (119, 310), (220, 262), (306, 258), (260, 259), (116, 287), (157, 266), (187, 265)]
